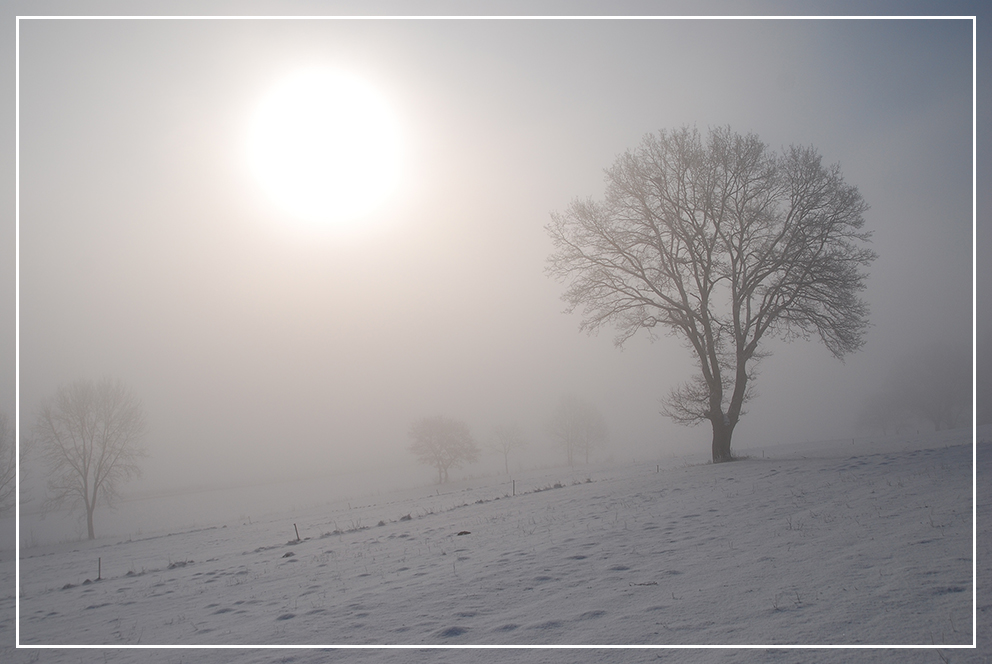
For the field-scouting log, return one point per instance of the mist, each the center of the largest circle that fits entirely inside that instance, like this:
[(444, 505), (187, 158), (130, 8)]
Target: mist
[(271, 353)]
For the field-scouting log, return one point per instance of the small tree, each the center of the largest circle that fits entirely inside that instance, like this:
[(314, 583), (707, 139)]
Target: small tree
[(443, 443), (8, 465), (577, 427), (506, 438), (89, 434), (723, 244)]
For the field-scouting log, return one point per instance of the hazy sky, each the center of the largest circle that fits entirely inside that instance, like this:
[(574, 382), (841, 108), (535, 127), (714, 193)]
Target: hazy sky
[(262, 347)]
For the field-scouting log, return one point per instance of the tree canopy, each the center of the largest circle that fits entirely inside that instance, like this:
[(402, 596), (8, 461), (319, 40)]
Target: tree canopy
[(724, 244), (443, 443)]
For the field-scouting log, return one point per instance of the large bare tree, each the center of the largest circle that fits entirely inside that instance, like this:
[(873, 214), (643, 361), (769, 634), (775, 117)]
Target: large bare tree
[(577, 427), (443, 443), (722, 243), (90, 433)]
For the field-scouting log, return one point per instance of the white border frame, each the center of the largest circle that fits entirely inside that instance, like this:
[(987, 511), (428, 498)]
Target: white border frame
[(17, 366)]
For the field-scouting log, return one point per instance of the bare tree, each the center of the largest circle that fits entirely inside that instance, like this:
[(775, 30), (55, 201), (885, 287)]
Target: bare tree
[(443, 443), (8, 465), (577, 427), (506, 438), (722, 244), (90, 433)]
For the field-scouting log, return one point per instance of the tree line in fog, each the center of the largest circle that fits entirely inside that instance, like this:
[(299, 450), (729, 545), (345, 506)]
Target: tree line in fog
[(575, 428), (89, 438)]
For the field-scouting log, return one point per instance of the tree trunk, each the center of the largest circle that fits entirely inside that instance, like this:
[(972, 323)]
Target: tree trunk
[(722, 431), (89, 522), (90, 503)]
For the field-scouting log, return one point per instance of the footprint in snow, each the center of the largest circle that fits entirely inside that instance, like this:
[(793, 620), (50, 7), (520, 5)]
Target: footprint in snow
[(452, 631), (589, 615)]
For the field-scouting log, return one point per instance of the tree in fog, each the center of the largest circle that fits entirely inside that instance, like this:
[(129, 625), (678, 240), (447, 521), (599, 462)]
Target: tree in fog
[(885, 413), (8, 465), (90, 433), (576, 427), (507, 438), (722, 243), (939, 385), (931, 385), (443, 443), (983, 379)]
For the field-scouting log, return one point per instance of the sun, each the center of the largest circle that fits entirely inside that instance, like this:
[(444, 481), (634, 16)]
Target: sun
[(325, 147)]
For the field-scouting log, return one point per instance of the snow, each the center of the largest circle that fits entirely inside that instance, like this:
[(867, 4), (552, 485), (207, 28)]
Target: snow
[(817, 543)]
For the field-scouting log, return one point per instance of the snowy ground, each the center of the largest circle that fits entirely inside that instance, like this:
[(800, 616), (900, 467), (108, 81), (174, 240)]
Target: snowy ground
[(802, 544)]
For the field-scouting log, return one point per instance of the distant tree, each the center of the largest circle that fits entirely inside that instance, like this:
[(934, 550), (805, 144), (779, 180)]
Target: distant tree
[(8, 465), (443, 443), (722, 243), (89, 434), (885, 413), (506, 438), (932, 385), (576, 427)]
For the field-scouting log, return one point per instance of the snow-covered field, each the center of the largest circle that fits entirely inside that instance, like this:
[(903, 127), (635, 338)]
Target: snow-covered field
[(825, 543)]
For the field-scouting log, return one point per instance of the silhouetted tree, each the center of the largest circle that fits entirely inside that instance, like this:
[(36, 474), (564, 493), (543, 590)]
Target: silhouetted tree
[(506, 438), (722, 243), (443, 443), (90, 433), (577, 427), (8, 465)]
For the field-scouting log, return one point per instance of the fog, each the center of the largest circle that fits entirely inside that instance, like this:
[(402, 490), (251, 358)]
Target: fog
[(264, 349)]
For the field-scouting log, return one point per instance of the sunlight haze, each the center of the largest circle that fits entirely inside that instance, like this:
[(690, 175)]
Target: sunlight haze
[(324, 146), (264, 348)]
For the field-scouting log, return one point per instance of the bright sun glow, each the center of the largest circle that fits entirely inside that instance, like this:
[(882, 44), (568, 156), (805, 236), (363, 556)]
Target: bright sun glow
[(325, 147)]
